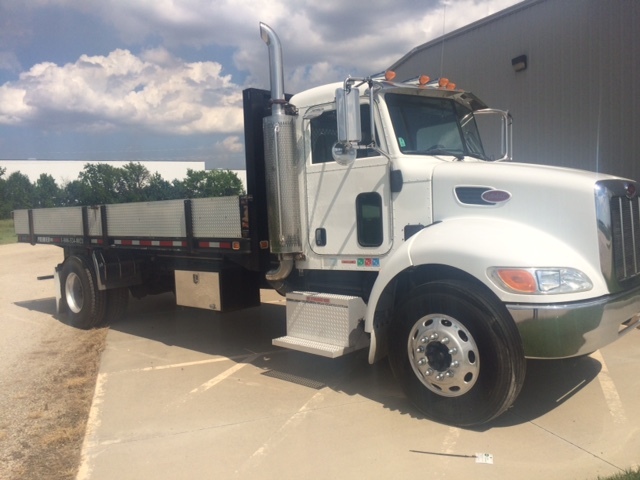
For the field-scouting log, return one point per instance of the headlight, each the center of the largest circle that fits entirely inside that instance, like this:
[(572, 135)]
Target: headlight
[(535, 281)]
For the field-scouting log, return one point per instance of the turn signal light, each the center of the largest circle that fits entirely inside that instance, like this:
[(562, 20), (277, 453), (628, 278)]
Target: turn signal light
[(443, 82), (424, 79), (451, 86), (518, 280)]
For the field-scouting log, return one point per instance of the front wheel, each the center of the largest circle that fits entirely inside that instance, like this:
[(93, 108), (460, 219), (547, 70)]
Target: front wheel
[(456, 353)]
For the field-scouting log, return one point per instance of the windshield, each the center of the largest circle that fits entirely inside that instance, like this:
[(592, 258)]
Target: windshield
[(434, 126)]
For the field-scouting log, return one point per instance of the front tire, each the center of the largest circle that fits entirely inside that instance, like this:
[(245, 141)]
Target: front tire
[(456, 353), (86, 304)]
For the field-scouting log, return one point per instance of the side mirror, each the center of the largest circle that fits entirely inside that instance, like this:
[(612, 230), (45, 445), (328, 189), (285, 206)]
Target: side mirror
[(349, 125), (496, 135), (348, 113)]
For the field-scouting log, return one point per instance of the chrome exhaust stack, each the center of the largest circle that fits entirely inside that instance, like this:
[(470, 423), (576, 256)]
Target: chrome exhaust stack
[(276, 68), (281, 169)]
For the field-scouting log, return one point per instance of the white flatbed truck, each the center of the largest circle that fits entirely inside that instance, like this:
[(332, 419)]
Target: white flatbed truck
[(408, 242)]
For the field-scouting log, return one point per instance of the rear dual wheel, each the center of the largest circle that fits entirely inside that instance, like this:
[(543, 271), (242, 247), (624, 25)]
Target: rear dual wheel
[(117, 302), (457, 353), (86, 303)]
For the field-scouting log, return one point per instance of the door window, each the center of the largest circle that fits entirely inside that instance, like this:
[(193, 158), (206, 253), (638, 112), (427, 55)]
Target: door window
[(369, 219)]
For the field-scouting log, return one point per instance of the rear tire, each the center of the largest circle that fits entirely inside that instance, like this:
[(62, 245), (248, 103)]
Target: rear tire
[(456, 353), (117, 301), (86, 304)]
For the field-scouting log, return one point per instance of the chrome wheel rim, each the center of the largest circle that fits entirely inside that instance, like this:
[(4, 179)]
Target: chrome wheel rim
[(443, 355), (74, 293)]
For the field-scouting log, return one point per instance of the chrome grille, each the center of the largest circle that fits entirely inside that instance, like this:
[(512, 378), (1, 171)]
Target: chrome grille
[(625, 233)]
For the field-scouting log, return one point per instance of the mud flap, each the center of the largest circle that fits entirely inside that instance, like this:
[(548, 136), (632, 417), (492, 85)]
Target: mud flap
[(61, 302)]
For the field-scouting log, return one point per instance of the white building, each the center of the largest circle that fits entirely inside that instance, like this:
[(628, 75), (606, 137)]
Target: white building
[(576, 102)]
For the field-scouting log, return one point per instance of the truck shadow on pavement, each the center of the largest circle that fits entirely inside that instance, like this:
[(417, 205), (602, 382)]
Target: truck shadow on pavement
[(548, 384), (42, 305)]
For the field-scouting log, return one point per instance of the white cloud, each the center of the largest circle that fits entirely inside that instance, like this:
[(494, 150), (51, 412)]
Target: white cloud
[(231, 144), (358, 37), (155, 91)]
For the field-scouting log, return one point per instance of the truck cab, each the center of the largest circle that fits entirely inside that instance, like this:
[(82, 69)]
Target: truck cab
[(462, 265)]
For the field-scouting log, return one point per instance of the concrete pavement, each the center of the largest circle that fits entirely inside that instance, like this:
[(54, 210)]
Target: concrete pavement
[(186, 394)]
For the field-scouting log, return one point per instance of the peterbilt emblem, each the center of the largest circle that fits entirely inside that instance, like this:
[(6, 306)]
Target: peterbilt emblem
[(630, 190), (480, 196), (496, 196)]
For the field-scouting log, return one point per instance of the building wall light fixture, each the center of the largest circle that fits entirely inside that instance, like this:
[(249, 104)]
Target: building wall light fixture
[(519, 63)]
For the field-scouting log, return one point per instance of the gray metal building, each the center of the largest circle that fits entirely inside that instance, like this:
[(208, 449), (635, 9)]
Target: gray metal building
[(576, 102)]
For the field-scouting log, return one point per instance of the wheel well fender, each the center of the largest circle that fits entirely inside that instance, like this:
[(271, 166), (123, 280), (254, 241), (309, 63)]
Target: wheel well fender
[(444, 251), (381, 309)]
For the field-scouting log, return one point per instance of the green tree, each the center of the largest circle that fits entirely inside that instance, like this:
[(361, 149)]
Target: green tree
[(76, 193), (104, 182), (135, 179), (178, 189), (18, 192), (159, 189), (46, 192), (212, 183), (4, 208)]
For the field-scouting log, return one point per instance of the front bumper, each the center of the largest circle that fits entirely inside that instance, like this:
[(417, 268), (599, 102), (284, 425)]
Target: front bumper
[(573, 329)]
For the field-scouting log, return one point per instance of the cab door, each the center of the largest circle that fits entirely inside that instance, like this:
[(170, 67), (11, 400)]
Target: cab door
[(348, 207)]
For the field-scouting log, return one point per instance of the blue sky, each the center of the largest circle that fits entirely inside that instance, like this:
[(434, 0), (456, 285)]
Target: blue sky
[(140, 80)]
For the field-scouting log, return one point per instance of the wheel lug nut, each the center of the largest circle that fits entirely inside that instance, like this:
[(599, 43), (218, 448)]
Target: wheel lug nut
[(453, 351), (449, 374), (428, 372), (419, 349), (440, 376), (424, 340), (445, 340), (433, 336), (455, 364), (422, 361)]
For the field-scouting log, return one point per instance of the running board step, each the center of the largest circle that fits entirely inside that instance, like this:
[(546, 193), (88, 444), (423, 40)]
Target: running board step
[(324, 324), (316, 348)]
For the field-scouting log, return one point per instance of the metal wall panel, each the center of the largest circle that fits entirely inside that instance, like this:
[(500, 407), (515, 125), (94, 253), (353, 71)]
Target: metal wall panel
[(578, 102), (164, 219), (216, 217), (21, 222), (58, 221)]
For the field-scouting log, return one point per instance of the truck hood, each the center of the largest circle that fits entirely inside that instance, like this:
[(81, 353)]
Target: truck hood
[(557, 201)]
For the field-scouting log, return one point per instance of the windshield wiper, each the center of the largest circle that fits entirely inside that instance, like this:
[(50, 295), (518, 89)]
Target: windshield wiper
[(477, 155), (441, 151)]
